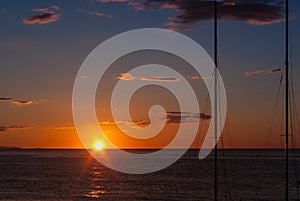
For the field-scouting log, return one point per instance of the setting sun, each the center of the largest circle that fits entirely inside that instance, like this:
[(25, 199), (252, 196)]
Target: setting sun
[(99, 146)]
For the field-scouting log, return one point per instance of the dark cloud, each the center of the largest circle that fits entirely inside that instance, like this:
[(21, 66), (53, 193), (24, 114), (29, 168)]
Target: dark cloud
[(185, 117), (10, 128), (41, 18), (276, 70), (5, 99), (141, 123), (190, 12), (44, 16), (172, 117), (205, 116)]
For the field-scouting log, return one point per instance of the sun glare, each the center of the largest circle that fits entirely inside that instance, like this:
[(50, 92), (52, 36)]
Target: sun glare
[(99, 146)]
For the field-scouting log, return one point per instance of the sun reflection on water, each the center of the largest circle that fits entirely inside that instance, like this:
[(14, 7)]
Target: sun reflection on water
[(97, 190)]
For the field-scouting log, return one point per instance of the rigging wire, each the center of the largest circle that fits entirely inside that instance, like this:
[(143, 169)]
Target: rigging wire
[(295, 125)]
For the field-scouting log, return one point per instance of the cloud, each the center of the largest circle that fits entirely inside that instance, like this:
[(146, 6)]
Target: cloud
[(21, 102), (126, 76), (107, 1), (51, 9), (205, 116), (161, 79), (256, 72), (189, 13), (193, 77), (172, 117), (253, 72), (275, 70), (41, 10), (129, 76), (41, 18), (62, 128), (44, 16), (94, 13), (186, 117), (5, 99), (10, 128), (132, 123)]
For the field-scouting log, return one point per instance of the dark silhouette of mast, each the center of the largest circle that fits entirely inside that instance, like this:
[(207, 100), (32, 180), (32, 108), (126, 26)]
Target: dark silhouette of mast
[(216, 100), (287, 100)]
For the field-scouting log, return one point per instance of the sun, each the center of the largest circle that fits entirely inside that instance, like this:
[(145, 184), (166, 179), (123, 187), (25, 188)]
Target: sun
[(98, 146)]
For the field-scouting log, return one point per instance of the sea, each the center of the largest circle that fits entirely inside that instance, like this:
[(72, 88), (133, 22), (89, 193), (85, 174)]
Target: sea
[(59, 174)]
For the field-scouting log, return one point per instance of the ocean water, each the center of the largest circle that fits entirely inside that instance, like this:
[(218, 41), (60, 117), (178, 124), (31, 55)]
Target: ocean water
[(75, 175)]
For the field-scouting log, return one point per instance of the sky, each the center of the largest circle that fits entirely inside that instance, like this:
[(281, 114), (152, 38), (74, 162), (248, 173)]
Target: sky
[(43, 44)]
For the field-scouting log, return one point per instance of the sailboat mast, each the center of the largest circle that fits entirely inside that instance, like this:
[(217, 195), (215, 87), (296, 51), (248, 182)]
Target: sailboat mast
[(216, 100), (287, 99)]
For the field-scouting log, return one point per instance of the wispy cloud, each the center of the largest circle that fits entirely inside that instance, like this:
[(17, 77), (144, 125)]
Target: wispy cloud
[(160, 79), (193, 77), (61, 128), (11, 128), (257, 72), (107, 1), (189, 13), (130, 123), (253, 72), (94, 13), (43, 16), (129, 76)]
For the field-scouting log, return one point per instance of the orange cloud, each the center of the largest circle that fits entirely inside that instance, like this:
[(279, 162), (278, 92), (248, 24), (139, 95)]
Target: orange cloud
[(161, 79), (21, 103), (253, 72), (194, 77), (126, 76), (228, 3)]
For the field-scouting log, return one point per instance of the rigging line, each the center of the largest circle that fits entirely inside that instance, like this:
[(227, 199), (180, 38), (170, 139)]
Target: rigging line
[(205, 111), (274, 111), (226, 191), (215, 100), (296, 125), (216, 84), (293, 95), (287, 100), (224, 172)]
